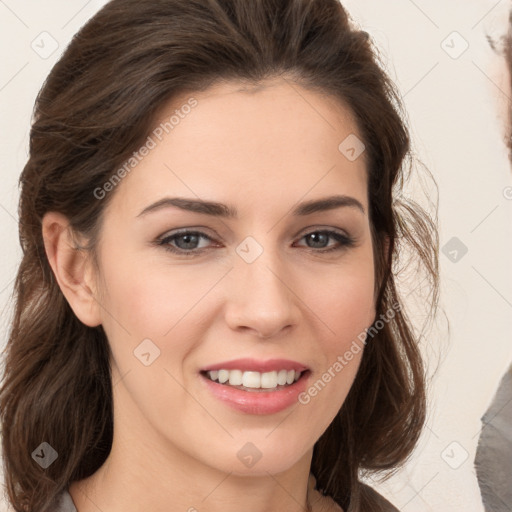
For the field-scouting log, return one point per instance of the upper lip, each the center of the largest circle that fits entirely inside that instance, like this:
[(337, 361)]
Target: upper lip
[(255, 365)]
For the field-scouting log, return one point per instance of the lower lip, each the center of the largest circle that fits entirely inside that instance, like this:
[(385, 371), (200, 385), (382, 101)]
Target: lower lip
[(258, 402)]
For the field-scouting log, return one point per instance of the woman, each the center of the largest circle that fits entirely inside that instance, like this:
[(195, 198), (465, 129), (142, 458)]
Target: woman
[(206, 312)]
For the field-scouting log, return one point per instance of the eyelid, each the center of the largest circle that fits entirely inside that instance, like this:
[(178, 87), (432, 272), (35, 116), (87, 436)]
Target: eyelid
[(302, 232), (316, 229), (184, 231), (344, 240), (199, 230)]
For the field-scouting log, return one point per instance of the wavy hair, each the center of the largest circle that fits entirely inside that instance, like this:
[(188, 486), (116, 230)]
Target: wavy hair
[(96, 107)]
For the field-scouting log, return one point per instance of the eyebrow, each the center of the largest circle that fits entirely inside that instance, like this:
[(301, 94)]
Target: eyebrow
[(225, 211)]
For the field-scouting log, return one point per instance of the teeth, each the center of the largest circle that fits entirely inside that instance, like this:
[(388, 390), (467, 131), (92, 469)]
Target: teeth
[(268, 380), (256, 380), (251, 379), (235, 378), (281, 377)]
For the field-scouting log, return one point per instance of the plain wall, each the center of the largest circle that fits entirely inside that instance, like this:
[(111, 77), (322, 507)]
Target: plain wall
[(455, 98)]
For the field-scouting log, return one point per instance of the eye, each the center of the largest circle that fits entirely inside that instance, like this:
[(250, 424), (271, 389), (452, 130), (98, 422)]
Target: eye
[(185, 241), (319, 238), (188, 243)]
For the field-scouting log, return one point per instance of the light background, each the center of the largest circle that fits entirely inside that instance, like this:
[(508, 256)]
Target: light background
[(453, 101)]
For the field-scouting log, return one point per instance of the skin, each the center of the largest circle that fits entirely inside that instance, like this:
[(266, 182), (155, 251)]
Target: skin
[(262, 151)]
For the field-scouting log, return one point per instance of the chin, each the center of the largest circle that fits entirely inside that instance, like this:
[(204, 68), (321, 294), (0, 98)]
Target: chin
[(261, 457)]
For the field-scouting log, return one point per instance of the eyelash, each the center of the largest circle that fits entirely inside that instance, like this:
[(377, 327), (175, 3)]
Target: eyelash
[(344, 240)]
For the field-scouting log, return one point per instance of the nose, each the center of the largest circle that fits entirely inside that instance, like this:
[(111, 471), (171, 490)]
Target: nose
[(262, 299)]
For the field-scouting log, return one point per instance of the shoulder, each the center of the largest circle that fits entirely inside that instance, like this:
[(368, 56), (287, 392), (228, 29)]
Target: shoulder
[(493, 460), (377, 500)]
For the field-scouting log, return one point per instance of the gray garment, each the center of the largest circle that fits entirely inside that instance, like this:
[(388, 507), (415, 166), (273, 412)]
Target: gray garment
[(493, 461), (65, 503)]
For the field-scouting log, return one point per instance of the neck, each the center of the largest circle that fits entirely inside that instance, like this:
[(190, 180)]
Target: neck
[(124, 484), (145, 469)]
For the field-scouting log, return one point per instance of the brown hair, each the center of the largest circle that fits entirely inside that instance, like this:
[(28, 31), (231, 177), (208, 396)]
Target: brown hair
[(96, 107)]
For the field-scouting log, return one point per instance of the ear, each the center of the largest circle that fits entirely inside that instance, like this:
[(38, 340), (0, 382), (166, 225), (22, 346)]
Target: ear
[(71, 267)]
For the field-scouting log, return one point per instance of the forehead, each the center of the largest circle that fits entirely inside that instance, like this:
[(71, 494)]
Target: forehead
[(276, 139)]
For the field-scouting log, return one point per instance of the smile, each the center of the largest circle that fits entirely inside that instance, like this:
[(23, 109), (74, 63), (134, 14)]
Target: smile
[(254, 381), (255, 386)]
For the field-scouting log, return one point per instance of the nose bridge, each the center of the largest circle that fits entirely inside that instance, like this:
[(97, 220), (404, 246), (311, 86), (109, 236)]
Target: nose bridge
[(264, 301)]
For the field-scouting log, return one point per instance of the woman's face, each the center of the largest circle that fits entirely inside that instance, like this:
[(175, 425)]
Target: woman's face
[(256, 286)]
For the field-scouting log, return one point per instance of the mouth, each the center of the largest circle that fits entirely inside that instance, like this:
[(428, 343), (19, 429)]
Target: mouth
[(254, 381), (253, 386)]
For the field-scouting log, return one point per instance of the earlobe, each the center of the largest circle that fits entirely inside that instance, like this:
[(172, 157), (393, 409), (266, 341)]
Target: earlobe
[(71, 268)]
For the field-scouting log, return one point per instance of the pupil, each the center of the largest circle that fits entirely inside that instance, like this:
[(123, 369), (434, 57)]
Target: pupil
[(318, 236), (192, 239)]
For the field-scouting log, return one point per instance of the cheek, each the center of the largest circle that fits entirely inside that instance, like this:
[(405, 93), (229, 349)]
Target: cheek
[(155, 302), (150, 298), (347, 307), (149, 328), (347, 303)]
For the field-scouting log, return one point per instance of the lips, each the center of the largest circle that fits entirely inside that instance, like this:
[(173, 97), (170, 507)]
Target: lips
[(254, 365), (257, 400)]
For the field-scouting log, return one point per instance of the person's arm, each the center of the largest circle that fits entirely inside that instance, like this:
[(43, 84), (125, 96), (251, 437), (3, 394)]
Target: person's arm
[(493, 461)]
